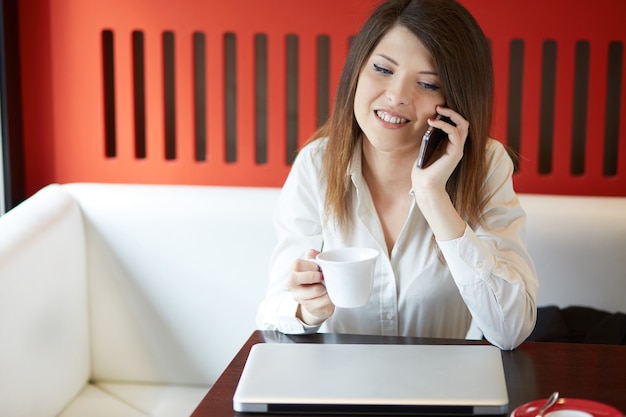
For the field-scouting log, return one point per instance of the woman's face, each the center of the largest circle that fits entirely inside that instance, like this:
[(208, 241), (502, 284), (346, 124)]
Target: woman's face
[(397, 91)]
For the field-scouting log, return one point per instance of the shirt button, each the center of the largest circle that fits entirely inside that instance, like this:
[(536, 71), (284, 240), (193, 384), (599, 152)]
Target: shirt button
[(389, 316), (479, 265)]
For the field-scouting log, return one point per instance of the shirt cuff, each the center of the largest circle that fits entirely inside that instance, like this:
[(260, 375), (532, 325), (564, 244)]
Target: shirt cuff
[(288, 323)]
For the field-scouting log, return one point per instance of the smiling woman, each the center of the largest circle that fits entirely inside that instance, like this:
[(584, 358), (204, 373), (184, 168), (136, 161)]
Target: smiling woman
[(399, 85), (441, 228)]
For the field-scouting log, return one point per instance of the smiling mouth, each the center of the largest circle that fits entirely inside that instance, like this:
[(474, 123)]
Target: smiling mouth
[(390, 119)]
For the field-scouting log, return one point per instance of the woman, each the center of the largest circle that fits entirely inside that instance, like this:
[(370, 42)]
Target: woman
[(451, 233)]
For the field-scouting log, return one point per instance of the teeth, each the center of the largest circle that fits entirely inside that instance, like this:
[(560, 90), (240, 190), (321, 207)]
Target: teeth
[(390, 119)]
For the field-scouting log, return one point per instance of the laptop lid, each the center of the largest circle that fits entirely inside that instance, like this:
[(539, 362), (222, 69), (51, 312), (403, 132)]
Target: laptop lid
[(372, 379)]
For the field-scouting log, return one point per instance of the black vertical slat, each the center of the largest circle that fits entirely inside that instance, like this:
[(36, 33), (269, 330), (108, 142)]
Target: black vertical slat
[(292, 97), (613, 107), (323, 78), (108, 69), (199, 84), (514, 115), (230, 82), (169, 88), (12, 137), (546, 115), (5, 161), (260, 64), (139, 93), (579, 114)]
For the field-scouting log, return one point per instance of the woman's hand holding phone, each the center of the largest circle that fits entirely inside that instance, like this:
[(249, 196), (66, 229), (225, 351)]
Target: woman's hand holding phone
[(431, 143), (429, 183), (441, 149)]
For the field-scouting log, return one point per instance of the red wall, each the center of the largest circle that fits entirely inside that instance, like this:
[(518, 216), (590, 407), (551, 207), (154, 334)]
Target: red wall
[(566, 128)]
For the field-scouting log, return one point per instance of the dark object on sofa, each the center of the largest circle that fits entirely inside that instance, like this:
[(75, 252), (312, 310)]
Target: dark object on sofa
[(579, 325)]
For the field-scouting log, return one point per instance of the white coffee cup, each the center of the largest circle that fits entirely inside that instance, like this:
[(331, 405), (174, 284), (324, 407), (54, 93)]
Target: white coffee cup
[(348, 274)]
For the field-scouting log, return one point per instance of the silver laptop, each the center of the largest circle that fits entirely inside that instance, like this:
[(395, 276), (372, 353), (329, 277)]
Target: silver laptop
[(372, 379)]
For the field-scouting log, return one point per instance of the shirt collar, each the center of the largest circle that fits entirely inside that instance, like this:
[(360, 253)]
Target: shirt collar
[(354, 172)]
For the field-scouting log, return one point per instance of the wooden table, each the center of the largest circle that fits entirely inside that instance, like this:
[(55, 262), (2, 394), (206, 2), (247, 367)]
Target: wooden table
[(533, 371)]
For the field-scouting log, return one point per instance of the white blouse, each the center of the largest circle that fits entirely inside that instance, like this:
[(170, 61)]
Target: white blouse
[(487, 274)]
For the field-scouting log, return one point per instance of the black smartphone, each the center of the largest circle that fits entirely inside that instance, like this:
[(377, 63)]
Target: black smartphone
[(431, 141)]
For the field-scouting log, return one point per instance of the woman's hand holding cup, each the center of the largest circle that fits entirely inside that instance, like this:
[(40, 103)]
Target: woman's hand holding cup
[(306, 285), (349, 274)]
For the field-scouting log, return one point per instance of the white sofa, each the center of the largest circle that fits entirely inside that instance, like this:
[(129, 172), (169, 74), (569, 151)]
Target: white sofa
[(129, 300)]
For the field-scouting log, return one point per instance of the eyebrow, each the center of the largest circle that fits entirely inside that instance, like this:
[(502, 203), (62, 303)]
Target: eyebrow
[(393, 61)]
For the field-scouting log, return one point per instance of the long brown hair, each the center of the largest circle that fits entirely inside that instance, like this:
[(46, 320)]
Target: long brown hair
[(462, 56)]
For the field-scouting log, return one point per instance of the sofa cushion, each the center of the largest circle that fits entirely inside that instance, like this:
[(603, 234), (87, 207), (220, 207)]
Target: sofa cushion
[(134, 400), (157, 400), (44, 348), (95, 402)]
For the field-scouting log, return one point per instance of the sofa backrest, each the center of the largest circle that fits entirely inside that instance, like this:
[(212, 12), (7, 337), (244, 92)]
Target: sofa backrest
[(175, 276), (578, 245), (44, 334), (161, 284)]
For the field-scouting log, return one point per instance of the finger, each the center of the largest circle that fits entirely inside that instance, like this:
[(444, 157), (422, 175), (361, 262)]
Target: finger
[(303, 265), (456, 134), (305, 294), (299, 277), (312, 253), (461, 123)]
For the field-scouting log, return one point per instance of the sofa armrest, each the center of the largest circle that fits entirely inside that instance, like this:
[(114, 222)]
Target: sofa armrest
[(44, 353)]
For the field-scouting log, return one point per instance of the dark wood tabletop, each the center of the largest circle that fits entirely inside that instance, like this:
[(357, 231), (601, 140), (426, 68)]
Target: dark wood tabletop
[(533, 371)]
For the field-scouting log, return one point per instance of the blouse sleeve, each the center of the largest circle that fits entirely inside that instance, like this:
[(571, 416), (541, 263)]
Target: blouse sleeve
[(491, 265), (298, 226)]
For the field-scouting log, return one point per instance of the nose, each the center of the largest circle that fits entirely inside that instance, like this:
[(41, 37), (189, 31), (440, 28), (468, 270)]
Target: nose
[(397, 91)]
